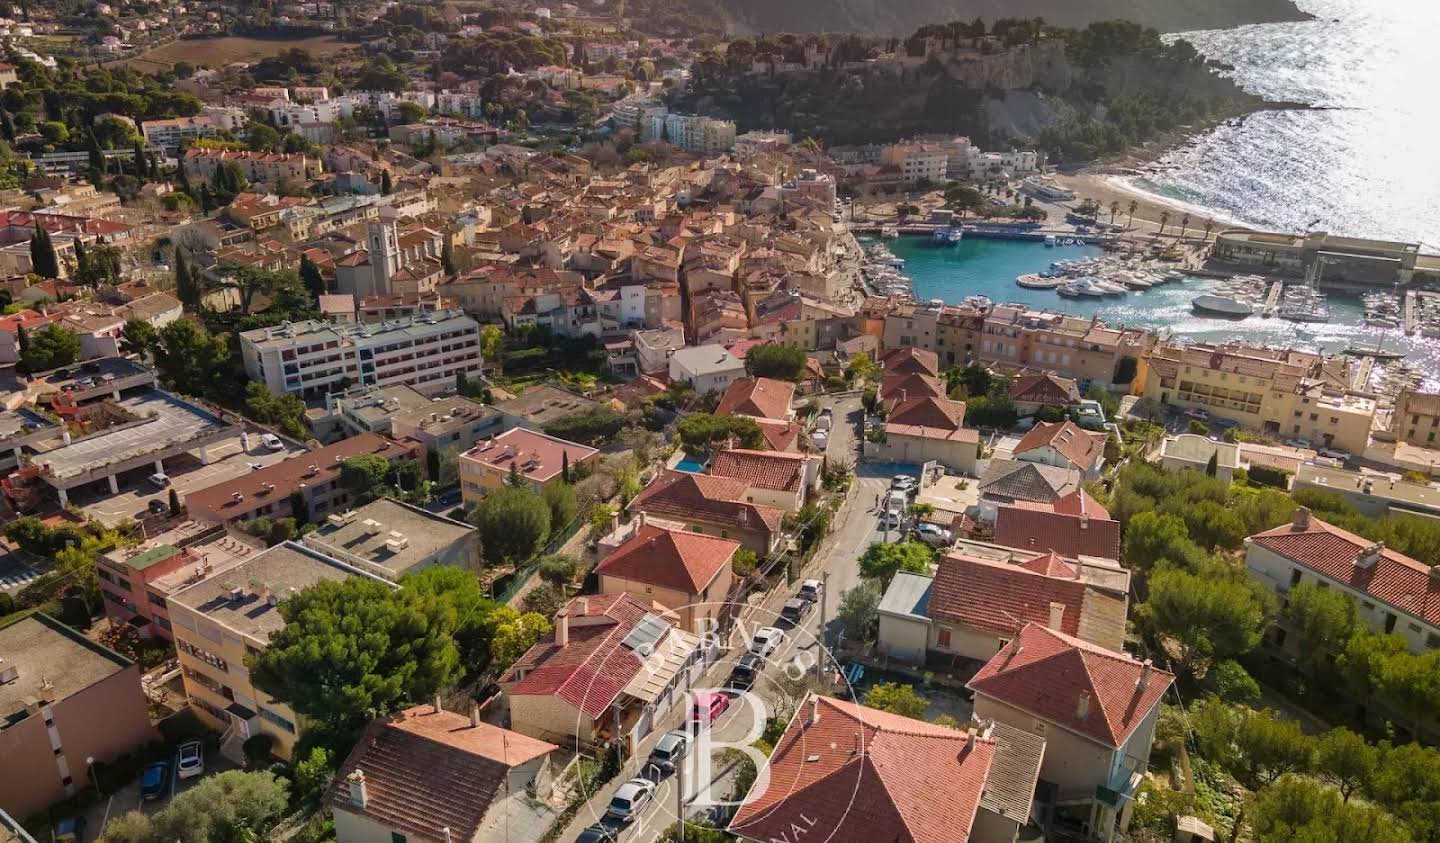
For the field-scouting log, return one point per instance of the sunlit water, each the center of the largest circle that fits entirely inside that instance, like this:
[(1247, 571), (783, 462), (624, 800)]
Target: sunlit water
[(989, 268), (1363, 163)]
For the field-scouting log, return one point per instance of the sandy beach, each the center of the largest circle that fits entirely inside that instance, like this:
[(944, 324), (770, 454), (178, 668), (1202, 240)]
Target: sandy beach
[(1106, 188)]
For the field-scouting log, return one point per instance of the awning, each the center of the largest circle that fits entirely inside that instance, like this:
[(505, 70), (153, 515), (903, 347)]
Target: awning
[(661, 666)]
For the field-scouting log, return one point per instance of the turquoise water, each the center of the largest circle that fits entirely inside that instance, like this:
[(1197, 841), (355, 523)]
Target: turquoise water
[(691, 465), (989, 268)]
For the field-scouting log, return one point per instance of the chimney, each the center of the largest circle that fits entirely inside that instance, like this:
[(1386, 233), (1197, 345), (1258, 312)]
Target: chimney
[(1370, 555), (445, 835), (1057, 615), (474, 714), (438, 707), (562, 628), (1082, 705), (1301, 519), (582, 605), (640, 521), (814, 710), (1144, 681), (1084, 520), (358, 795)]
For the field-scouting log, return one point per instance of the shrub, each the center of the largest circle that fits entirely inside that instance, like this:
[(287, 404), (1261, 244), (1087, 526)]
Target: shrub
[(257, 749), (1264, 475)]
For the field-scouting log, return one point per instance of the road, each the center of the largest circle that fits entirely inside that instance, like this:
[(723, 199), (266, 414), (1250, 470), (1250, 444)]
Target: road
[(855, 526)]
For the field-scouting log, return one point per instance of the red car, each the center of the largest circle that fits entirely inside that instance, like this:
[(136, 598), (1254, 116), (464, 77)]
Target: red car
[(708, 707)]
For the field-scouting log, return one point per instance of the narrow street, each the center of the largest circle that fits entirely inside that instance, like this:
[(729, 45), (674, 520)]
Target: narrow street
[(855, 526)]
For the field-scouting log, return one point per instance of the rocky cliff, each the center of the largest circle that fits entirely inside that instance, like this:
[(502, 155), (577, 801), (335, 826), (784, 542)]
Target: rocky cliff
[(901, 17)]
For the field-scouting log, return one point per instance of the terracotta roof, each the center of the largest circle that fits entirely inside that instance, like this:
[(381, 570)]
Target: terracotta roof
[(1069, 535), (592, 669), (1393, 578), (763, 397), (780, 436), (1001, 596), (700, 497), (1068, 439), (674, 559), (1079, 686), (777, 470), (859, 774), (288, 474), (909, 360), (426, 771), (911, 386), (1027, 481), (1044, 388), (928, 411)]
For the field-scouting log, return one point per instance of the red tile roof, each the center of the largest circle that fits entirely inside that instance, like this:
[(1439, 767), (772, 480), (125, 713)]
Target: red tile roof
[(1393, 578), (1044, 389), (858, 774), (763, 397), (541, 457), (1068, 535), (776, 470), (911, 386), (780, 436), (674, 559), (1079, 686), (426, 771), (928, 411), (699, 497), (1069, 440), (1002, 597), (909, 360), (595, 666)]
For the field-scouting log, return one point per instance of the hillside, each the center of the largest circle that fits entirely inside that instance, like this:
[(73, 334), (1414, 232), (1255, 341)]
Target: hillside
[(899, 17)]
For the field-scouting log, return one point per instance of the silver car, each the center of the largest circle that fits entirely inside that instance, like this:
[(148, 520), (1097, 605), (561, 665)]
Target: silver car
[(630, 800)]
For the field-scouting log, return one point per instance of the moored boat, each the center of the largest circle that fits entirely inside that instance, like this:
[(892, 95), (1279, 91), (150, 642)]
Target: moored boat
[(1211, 305)]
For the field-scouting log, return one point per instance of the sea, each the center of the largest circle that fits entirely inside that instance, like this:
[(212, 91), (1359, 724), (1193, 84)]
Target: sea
[(1360, 161)]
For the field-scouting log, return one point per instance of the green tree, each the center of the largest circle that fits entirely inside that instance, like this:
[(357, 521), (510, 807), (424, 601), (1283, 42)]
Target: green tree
[(560, 497), (286, 412), (313, 774), (1296, 808), (1412, 683), (1152, 537), (1322, 620), (773, 360), (356, 647), (51, 347), (43, 261), (698, 432), (363, 477), (882, 561), (558, 568), (187, 289), (1364, 658), (138, 337), (231, 806), (311, 277), (188, 358), (1407, 783), (1214, 525), (896, 699), (1202, 618), (1346, 760), (515, 633), (859, 611), (460, 592), (385, 184), (861, 367), (1255, 747), (492, 341), (1232, 683), (514, 523)]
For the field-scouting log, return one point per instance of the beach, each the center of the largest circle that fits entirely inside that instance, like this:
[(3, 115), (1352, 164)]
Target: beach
[(1106, 187)]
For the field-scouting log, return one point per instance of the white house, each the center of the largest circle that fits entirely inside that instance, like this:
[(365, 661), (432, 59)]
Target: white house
[(707, 368)]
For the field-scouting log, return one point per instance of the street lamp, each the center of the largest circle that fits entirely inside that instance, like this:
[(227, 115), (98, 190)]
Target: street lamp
[(90, 770)]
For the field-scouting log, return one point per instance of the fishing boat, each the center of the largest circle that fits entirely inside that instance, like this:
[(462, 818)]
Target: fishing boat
[(1081, 288), (1050, 241), (1230, 308), (1377, 352), (889, 232), (1036, 281)]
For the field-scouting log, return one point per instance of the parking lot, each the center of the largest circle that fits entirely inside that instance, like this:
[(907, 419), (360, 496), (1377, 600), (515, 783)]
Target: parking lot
[(228, 459), (128, 798)]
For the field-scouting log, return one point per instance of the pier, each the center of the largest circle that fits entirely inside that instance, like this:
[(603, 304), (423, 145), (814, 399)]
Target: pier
[(1409, 324), (1272, 298)]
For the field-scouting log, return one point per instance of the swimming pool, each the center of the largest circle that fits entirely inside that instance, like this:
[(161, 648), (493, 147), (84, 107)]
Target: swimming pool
[(691, 465)]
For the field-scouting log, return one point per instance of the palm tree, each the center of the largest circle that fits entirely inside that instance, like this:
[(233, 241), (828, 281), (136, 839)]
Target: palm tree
[(1134, 206), (1164, 221), (1114, 209), (1184, 224), (1209, 224)]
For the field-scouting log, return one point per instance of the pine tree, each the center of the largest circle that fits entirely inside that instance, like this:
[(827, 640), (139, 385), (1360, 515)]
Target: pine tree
[(7, 125), (207, 202), (42, 254), (515, 480)]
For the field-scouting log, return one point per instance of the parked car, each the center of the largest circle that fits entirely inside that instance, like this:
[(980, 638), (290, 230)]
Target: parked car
[(742, 678), (906, 484), (1335, 454), (708, 706), (823, 424), (1298, 443), (810, 590), (598, 833), (933, 535), (795, 610), (69, 830), (668, 751), (631, 799), (766, 641), (190, 759), (894, 517), (272, 442), (155, 780), (820, 439), (158, 507), (1197, 414), (159, 480)]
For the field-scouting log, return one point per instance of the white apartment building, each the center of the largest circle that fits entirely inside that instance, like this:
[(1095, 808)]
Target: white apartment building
[(316, 358), (918, 161), (690, 132), (296, 113), (226, 117), (168, 134)]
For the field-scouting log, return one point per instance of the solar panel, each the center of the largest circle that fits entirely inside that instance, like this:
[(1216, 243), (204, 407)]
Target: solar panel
[(647, 633)]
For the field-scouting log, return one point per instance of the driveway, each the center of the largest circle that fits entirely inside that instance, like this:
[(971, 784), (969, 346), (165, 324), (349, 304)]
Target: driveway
[(127, 798)]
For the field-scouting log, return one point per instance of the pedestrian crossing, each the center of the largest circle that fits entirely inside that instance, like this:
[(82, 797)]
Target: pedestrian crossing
[(15, 576)]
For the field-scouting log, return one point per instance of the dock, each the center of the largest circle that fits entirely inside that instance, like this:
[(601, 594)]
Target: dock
[(1411, 301), (1272, 298)]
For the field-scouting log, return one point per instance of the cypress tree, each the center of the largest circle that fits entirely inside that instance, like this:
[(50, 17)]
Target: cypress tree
[(385, 184), (447, 257), (140, 164), (7, 125), (185, 284), (82, 262), (97, 158), (565, 466), (310, 274), (22, 343), (42, 254)]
